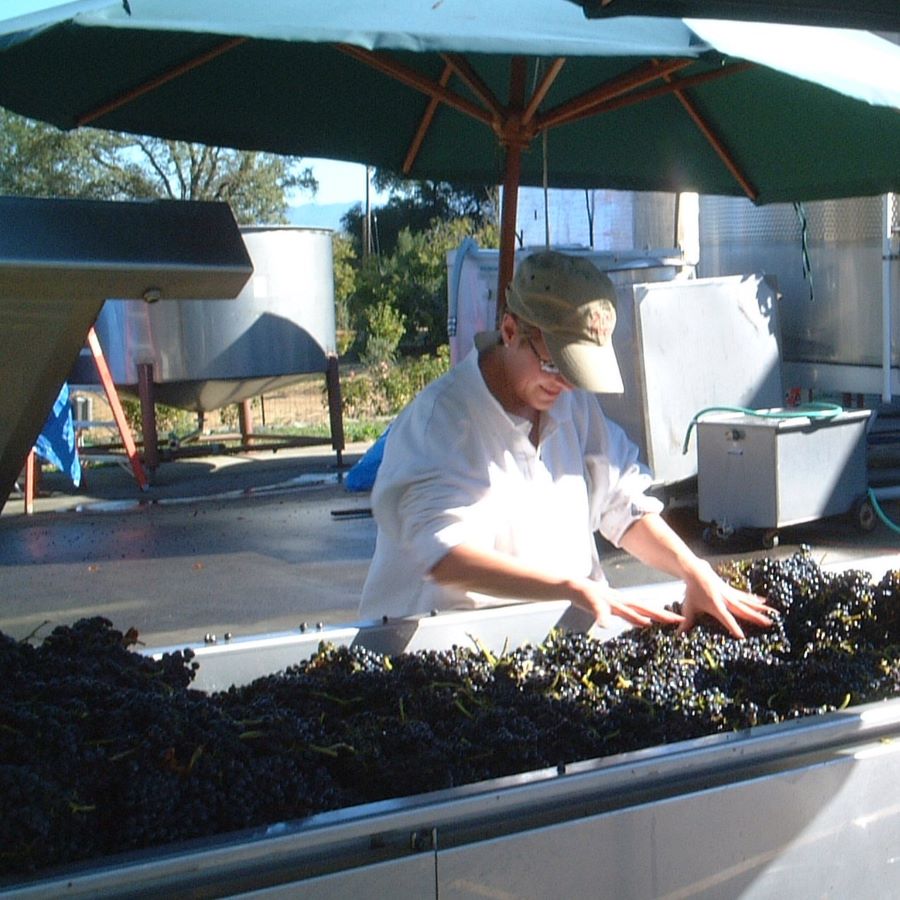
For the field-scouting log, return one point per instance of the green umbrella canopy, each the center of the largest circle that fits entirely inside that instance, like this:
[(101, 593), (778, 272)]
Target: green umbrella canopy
[(463, 90), (874, 15), (301, 77)]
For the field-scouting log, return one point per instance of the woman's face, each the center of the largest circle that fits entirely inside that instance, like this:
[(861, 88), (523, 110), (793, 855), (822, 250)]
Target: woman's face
[(533, 378)]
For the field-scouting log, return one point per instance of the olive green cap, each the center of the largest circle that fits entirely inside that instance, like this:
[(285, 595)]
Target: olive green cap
[(574, 305)]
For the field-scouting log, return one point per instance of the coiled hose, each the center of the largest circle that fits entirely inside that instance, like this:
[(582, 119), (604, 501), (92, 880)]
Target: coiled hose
[(806, 411), (881, 513)]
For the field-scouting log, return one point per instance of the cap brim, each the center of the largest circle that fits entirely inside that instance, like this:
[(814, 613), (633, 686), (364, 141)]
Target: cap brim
[(586, 364)]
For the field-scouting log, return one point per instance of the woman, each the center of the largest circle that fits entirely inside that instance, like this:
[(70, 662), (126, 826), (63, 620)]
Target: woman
[(495, 478)]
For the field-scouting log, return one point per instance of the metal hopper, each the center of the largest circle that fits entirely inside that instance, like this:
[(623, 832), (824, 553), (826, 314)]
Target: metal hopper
[(61, 259)]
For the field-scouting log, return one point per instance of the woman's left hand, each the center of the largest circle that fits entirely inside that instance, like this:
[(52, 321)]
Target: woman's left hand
[(707, 593)]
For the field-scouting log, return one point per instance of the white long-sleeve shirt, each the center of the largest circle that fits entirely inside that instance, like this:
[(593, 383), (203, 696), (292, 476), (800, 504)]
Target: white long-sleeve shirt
[(459, 469)]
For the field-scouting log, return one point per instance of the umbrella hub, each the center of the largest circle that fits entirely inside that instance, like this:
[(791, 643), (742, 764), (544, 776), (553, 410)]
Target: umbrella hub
[(513, 131)]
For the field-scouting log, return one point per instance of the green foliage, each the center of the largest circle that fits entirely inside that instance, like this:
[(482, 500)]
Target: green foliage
[(229, 416), (171, 422), (384, 329), (413, 281), (417, 204), (384, 389), (255, 185), (41, 161), (355, 430)]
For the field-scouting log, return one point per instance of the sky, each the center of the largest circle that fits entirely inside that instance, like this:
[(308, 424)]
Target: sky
[(339, 182)]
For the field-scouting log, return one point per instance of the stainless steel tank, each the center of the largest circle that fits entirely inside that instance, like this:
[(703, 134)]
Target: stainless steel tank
[(209, 353), (832, 309), (601, 219)]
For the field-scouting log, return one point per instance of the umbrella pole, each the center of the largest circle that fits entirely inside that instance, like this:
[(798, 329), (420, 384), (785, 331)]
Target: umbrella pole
[(514, 138), (508, 223)]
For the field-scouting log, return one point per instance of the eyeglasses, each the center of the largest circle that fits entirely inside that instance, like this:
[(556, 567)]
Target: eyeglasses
[(547, 365)]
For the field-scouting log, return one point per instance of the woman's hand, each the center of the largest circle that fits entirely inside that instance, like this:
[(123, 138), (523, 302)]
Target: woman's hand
[(602, 601), (653, 542), (705, 592)]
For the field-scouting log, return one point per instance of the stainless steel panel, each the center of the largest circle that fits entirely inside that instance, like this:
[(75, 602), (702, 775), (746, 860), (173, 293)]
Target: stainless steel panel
[(829, 377), (413, 876), (834, 317), (61, 249), (602, 219), (826, 826), (768, 473), (683, 346)]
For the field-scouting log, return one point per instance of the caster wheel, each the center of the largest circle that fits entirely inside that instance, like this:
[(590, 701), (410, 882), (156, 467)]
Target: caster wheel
[(865, 516), (770, 539), (717, 534)]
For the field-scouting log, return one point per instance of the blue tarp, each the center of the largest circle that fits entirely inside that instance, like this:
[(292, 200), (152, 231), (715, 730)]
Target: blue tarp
[(56, 442), (362, 476)]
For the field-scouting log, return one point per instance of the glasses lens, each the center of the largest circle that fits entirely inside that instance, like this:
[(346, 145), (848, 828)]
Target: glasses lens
[(547, 366)]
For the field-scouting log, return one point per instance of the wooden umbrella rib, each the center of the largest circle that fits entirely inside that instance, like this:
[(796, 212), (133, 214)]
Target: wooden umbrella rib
[(425, 124), (585, 104), (474, 82), (149, 86), (537, 98), (668, 87), (715, 142), (673, 86), (415, 80)]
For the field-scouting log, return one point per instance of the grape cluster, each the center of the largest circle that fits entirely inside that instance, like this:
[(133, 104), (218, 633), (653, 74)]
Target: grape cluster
[(105, 750)]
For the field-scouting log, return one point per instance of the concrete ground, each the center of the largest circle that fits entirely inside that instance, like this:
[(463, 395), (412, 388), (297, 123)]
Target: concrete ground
[(259, 542), (231, 543)]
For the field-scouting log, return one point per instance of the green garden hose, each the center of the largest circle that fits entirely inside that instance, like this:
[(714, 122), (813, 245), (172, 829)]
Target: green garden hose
[(881, 513)]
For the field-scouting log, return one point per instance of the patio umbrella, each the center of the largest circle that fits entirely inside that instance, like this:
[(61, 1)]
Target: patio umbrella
[(873, 15), (464, 90)]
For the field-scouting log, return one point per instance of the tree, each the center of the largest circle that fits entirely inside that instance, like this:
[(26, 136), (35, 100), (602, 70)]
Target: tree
[(444, 199), (254, 184), (414, 231), (416, 205), (39, 160)]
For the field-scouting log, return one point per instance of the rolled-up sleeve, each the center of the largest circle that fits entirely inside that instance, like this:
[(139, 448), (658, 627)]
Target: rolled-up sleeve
[(428, 498), (618, 482)]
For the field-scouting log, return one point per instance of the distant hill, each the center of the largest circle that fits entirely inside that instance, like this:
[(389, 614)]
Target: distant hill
[(318, 215)]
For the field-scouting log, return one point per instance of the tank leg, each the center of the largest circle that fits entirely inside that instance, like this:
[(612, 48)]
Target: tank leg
[(335, 407), (148, 416), (32, 480), (245, 419), (115, 405)]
